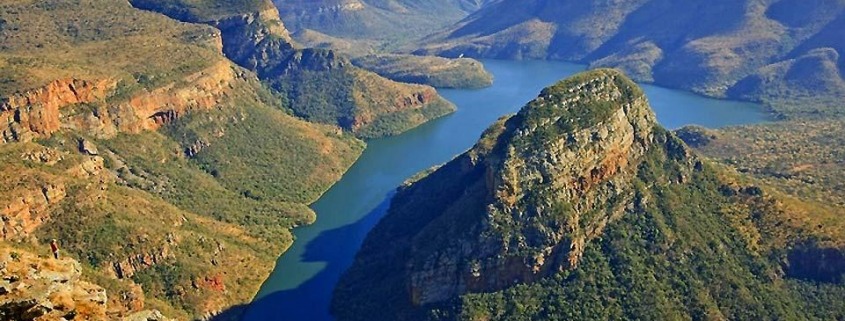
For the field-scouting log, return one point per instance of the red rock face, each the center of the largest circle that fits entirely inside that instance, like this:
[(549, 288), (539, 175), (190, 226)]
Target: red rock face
[(138, 262), (214, 283), (583, 168), (28, 210), (37, 111), (415, 100)]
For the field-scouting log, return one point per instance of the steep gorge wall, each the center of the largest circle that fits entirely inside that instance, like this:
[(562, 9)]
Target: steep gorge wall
[(319, 85), (44, 111)]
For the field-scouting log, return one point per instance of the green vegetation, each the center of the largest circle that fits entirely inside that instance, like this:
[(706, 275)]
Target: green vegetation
[(100, 42), (434, 71), (201, 206), (247, 151), (193, 207), (360, 101), (801, 158), (544, 220), (204, 10), (679, 257), (587, 110), (319, 85)]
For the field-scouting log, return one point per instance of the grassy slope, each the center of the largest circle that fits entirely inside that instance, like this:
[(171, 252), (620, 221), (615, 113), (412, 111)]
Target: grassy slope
[(41, 41), (697, 241), (691, 253), (210, 222), (802, 159), (320, 85), (434, 71)]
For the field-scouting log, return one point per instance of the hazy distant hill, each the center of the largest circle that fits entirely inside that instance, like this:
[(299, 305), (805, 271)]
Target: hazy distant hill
[(787, 53), (374, 19)]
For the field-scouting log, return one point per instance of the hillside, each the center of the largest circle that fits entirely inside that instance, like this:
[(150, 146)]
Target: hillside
[(801, 158), (172, 175), (318, 85), (435, 71), (787, 53), (581, 207), (384, 20)]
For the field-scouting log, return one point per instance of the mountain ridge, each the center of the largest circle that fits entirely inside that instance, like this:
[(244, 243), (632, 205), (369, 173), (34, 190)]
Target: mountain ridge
[(134, 141), (354, 99), (581, 193), (724, 49)]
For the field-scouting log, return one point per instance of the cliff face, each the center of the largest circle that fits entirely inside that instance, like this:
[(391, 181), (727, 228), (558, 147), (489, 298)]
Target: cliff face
[(38, 113), (128, 137), (540, 175), (580, 187), (319, 85), (705, 46)]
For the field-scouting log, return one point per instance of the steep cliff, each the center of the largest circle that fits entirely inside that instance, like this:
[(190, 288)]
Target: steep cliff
[(319, 85), (739, 49), (581, 207), (133, 140)]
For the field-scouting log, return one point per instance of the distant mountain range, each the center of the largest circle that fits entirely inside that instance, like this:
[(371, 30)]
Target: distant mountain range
[(375, 19), (786, 53)]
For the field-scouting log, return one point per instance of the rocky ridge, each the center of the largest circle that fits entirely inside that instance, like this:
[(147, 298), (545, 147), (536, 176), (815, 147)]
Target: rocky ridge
[(40, 112), (115, 121), (582, 174), (378, 20), (434, 71), (352, 98)]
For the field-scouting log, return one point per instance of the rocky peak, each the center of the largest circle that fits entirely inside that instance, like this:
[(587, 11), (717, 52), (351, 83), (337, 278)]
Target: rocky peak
[(567, 153), (584, 130), (523, 203)]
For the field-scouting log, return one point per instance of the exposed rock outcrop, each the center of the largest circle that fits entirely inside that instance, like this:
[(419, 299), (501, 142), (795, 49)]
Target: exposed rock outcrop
[(29, 209), (580, 193), (577, 144), (522, 203), (37, 112), (320, 85), (132, 264), (34, 288)]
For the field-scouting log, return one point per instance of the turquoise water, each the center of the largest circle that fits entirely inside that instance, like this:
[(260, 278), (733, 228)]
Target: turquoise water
[(301, 285)]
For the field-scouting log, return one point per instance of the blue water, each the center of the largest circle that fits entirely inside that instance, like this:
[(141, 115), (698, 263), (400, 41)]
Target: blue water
[(300, 287)]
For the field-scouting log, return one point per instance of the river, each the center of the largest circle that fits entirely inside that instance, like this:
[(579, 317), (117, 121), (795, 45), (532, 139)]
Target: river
[(300, 287)]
